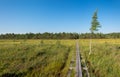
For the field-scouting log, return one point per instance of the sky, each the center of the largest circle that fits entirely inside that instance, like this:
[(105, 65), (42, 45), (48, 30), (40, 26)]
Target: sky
[(24, 16)]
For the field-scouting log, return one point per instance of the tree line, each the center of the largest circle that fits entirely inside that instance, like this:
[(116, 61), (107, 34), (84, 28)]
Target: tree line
[(63, 35)]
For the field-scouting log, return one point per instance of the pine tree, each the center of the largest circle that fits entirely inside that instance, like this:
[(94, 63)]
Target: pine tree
[(94, 27)]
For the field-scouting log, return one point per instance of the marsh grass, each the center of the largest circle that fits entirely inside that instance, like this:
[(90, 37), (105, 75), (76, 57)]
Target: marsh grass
[(104, 60), (35, 58)]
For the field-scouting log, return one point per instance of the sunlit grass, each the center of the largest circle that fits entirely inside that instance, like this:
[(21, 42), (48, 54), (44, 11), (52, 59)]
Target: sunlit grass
[(35, 58), (51, 58), (104, 60)]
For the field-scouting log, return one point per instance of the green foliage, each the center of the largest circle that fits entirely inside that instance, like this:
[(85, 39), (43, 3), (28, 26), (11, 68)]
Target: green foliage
[(45, 35), (95, 24), (58, 36)]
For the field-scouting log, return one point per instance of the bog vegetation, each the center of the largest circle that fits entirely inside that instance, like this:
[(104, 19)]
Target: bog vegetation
[(52, 58), (35, 58), (104, 60)]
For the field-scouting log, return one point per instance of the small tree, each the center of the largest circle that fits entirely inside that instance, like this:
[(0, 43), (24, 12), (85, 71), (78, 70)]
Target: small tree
[(94, 27)]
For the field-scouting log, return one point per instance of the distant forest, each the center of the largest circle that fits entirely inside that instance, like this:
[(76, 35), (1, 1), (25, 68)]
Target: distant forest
[(63, 35)]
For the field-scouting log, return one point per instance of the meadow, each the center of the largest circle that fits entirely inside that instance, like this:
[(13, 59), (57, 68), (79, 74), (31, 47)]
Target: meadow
[(35, 58), (52, 58), (104, 60)]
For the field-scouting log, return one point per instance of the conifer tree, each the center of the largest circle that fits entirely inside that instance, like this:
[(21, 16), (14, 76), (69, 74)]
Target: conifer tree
[(95, 25)]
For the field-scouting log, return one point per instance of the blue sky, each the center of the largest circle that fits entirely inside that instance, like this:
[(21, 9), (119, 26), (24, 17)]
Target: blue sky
[(24, 16)]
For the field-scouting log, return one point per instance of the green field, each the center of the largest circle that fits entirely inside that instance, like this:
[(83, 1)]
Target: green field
[(51, 58), (35, 58), (105, 58)]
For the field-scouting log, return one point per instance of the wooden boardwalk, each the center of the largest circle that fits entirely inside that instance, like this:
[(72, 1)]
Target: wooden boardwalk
[(78, 61)]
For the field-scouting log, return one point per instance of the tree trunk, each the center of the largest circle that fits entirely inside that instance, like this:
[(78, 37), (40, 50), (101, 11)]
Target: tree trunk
[(90, 44)]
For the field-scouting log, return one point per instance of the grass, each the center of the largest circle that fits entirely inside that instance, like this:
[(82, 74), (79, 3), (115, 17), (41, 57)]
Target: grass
[(105, 58), (52, 58), (35, 58)]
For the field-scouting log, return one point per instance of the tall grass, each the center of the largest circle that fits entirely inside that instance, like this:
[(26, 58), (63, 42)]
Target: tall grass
[(105, 58), (35, 58)]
